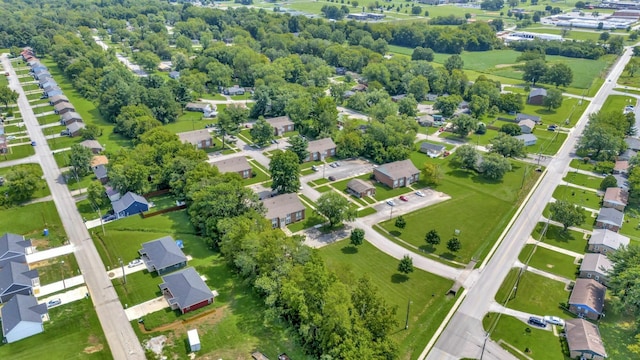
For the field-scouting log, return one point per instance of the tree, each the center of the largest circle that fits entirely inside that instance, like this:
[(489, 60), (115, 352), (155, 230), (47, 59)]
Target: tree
[(408, 106), (559, 74), (511, 129), (624, 282), (636, 51), (416, 10), (464, 124), (418, 87), (478, 106), (507, 146), (432, 238), (421, 53), (261, 132), (454, 244), (580, 5), (400, 222), (22, 182), (96, 194), (357, 237), (230, 119), (494, 166), (80, 159), (534, 71), (447, 105), (285, 172), (604, 36), (299, 146), (335, 207), (453, 62), (567, 213), (553, 100), (607, 182), (467, 156), (511, 102), (431, 173), (406, 265), (7, 96), (147, 60), (91, 132)]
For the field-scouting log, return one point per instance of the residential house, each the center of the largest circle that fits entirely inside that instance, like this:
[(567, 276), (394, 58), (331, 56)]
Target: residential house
[(280, 125), (587, 299), (201, 139), (432, 150), (425, 120), (57, 99), (175, 75), (199, 107), (527, 139), (98, 160), (14, 247), (320, 149), (162, 255), (632, 143), (610, 218), (47, 83), (584, 340), (41, 73), (4, 145), (92, 145), (616, 198), (361, 188), (347, 94), (627, 155), (129, 204), (164, 66), (527, 126), (536, 96), (53, 92), (341, 71), (22, 317), (237, 164), (36, 67), (596, 267), (233, 91), (621, 167), (606, 241), (16, 278), (399, 97), (75, 128), (397, 174), (359, 87), (101, 174), (186, 291), (63, 108), (27, 52), (112, 194), (284, 209), (432, 97)]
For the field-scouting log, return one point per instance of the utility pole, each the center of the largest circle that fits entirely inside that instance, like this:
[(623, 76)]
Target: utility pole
[(62, 274), (101, 221), (124, 276), (391, 213), (406, 323)]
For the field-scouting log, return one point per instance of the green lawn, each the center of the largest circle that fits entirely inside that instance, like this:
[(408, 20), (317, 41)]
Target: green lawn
[(312, 218), (617, 102), (384, 192), (56, 269), (366, 211), (618, 331), (535, 294), (579, 164), (80, 183), (631, 227), (48, 119), (211, 96), (324, 188), (570, 240), (550, 261), (589, 218), (549, 142), (188, 121), (424, 290), (42, 189), (73, 332), (577, 196), (63, 142), (18, 152), (141, 286), (258, 175), (31, 220), (590, 181)]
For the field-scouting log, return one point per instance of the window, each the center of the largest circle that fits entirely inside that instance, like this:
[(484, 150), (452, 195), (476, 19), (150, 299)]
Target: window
[(299, 215), (274, 222), (287, 220)]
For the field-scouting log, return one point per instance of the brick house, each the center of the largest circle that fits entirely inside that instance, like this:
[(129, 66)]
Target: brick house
[(587, 299), (615, 198), (284, 209), (238, 165), (610, 218), (397, 174), (606, 241), (69, 117), (201, 139), (186, 291), (536, 96), (280, 124), (360, 188), (320, 149), (584, 340), (596, 267)]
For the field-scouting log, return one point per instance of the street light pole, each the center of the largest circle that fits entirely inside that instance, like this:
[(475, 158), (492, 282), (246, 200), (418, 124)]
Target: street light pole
[(391, 213), (406, 323), (124, 276), (64, 286)]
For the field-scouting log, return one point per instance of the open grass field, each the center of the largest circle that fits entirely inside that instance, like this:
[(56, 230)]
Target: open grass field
[(550, 261), (580, 197), (42, 189), (631, 227), (590, 181), (424, 290), (479, 208), (18, 152), (73, 332), (31, 220), (535, 294)]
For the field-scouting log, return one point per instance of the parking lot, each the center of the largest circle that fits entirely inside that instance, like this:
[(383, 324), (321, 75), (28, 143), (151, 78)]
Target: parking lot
[(347, 169)]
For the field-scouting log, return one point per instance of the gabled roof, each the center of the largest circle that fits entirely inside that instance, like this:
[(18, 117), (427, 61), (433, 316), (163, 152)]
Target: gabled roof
[(73, 127), (632, 143), (16, 273), (588, 292), (13, 243), (426, 146), (608, 238), (281, 205), (359, 185), (616, 195), (99, 160), (70, 116), (58, 97), (526, 137), (92, 144), (234, 164), (320, 145), (187, 287), (126, 200), (100, 172), (194, 137), (583, 336), (537, 91), (64, 105), (197, 106), (279, 121), (621, 165), (398, 169), (162, 253), (21, 308), (528, 123), (596, 263), (610, 216)]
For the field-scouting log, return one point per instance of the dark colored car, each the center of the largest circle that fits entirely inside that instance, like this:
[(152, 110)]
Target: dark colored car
[(536, 321), (332, 178)]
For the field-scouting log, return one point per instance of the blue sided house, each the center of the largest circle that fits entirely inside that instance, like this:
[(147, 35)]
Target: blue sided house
[(129, 204)]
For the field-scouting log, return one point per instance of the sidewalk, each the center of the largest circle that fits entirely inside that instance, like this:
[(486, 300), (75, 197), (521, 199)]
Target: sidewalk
[(59, 286), (50, 253), (554, 248), (543, 273)]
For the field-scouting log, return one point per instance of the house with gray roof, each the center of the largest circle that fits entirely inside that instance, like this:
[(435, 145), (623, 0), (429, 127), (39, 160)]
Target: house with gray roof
[(201, 139), (75, 128), (234, 90), (36, 66), (632, 143), (521, 116), (320, 149), (536, 96), (101, 173), (14, 247), (526, 126), (596, 267), (284, 209), (16, 278), (69, 117), (606, 241), (584, 340), (92, 145), (610, 218), (615, 197), (587, 298), (432, 150), (174, 75), (53, 92), (47, 83), (41, 73), (280, 125), (238, 165), (527, 139), (51, 88), (186, 291), (22, 317), (627, 155), (129, 204), (63, 108), (361, 188), (57, 99), (397, 174), (162, 255)]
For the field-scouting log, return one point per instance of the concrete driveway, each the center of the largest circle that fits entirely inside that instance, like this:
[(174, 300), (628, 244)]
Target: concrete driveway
[(147, 307)]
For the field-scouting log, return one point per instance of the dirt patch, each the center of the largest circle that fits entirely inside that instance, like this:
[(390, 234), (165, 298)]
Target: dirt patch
[(40, 243), (210, 317), (95, 347), (550, 266), (502, 66), (43, 263)]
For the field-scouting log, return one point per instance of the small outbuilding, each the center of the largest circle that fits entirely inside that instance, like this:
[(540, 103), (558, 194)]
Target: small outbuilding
[(360, 188), (194, 340), (432, 150), (527, 139), (537, 96)]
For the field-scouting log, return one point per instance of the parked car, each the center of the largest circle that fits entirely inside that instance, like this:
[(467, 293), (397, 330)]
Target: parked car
[(108, 217), (6, 73), (536, 321), (554, 320), (333, 165), (274, 141), (314, 168), (332, 178), (420, 193), (446, 153), (54, 302), (136, 262), (33, 143), (337, 163), (404, 198), (391, 203)]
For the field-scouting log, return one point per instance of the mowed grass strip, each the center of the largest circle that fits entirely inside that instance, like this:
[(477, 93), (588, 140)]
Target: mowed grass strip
[(31, 220), (590, 181), (580, 197), (549, 261), (556, 236), (534, 294)]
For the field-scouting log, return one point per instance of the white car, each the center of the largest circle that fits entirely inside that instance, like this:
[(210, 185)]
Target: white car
[(391, 203), (420, 193), (53, 303), (554, 320), (134, 263)]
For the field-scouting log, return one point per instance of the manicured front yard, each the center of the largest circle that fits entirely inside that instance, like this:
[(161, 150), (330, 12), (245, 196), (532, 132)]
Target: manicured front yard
[(18, 152), (550, 261), (259, 175), (577, 196), (534, 294), (590, 181), (141, 286), (570, 240), (589, 218), (311, 218)]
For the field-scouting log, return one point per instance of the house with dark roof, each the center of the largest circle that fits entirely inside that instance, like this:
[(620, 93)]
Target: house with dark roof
[(584, 340), (22, 317), (361, 188), (186, 291), (284, 209), (397, 174), (199, 107), (627, 155), (587, 299), (201, 139), (432, 150), (596, 267), (63, 108), (112, 194), (174, 75), (606, 241), (75, 128), (16, 278), (36, 66), (616, 198), (280, 125), (14, 247), (320, 149), (47, 83), (129, 204), (234, 90), (101, 173), (238, 165), (526, 126), (621, 167), (57, 99), (536, 96), (162, 255), (610, 218), (92, 145)]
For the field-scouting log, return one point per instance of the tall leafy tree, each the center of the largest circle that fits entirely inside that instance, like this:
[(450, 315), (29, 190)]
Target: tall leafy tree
[(453, 62), (230, 119), (335, 207), (454, 244), (467, 156), (261, 132), (96, 194), (357, 237), (285, 172), (507, 146), (299, 146), (567, 214), (7, 96), (22, 182), (553, 100), (432, 238), (447, 105), (559, 74), (464, 124), (431, 173), (80, 159), (624, 279), (534, 71), (494, 166), (406, 265)]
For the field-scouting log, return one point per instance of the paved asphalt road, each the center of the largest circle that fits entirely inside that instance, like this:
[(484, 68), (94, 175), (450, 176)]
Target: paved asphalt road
[(464, 335), (123, 342)]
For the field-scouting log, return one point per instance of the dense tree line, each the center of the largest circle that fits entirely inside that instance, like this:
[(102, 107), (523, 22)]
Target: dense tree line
[(576, 49)]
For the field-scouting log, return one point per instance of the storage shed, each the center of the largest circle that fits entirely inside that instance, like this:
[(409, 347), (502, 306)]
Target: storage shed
[(194, 340)]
